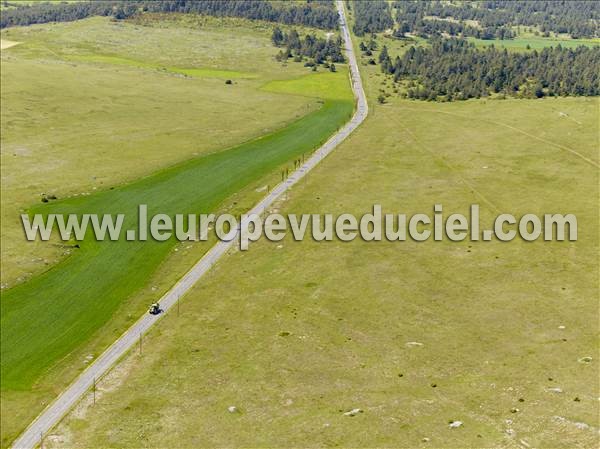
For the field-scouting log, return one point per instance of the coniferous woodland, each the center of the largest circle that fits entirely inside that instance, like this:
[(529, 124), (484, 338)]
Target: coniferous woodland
[(371, 17), (448, 67), (454, 69), (490, 19), (314, 13), (316, 50), (495, 18)]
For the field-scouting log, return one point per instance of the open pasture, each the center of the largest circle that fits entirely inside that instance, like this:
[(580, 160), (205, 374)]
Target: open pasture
[(164, 130), (416, 335)]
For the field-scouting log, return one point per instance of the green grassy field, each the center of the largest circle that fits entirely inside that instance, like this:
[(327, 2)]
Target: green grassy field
[(487, 314), (398, 46), (526, 36), (45, 318), (10, 4), (308, 331), (197, 73), (13, 3), (156, 118), (294, 334), (139, 116), (520, 43)]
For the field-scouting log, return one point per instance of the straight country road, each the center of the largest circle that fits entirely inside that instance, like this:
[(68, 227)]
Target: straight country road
[(32, 436)]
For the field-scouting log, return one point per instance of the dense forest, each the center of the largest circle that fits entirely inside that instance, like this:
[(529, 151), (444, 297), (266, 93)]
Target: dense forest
[(371, 17), (575, 17), (494, 19), (314, 13), (454, 69), (426, 19), (489, 19), (316, 50)]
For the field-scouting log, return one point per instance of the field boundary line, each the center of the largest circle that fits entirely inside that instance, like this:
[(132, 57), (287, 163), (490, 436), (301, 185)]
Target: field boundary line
[(423, 148), (514, 128)]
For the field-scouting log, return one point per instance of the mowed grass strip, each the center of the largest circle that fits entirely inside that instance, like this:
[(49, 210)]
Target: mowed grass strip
[(139, 118), (193, 72), (310, 86), (47, 317)]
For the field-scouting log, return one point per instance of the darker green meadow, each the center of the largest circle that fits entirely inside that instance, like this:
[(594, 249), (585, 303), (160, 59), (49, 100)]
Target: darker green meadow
[(49, 316)]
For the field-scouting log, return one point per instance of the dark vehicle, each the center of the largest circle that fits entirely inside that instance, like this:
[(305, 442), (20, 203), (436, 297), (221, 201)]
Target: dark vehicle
[(154, 309)]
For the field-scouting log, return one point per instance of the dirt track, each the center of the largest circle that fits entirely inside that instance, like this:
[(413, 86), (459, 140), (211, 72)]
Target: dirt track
[(4, 44)]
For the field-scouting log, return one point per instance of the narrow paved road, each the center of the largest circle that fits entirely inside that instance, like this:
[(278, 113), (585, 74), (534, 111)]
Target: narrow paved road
[(55, 411)]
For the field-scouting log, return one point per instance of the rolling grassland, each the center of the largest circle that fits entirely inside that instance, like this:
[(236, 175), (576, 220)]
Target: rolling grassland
[(167, 107), (295, 335)]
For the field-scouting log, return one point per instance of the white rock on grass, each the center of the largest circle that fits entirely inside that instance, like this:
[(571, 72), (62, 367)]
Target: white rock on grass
[(353, 412), (232, 409), (455, 424), (411, 344)]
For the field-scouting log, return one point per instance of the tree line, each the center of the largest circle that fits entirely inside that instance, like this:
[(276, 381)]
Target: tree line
[(494, 18), (454, 69), (313, 13), (371, 17), (316, 49)]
